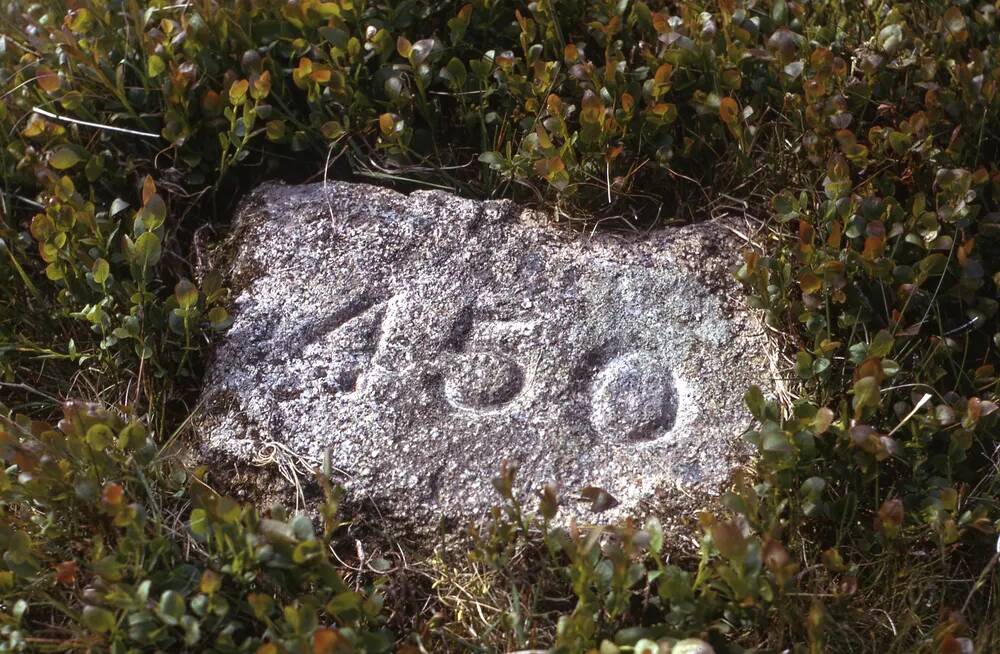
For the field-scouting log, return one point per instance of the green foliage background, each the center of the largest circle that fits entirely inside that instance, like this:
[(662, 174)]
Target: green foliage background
[(859, 140)]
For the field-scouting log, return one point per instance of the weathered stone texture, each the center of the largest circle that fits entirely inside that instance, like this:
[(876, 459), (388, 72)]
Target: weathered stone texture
[(423, 339)]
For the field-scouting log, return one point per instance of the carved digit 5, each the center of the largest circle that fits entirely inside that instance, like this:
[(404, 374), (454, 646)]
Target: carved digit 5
[(483, 380), (480, 379)]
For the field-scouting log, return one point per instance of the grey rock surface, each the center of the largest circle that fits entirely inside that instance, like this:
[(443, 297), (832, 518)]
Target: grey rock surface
[(423, 339)]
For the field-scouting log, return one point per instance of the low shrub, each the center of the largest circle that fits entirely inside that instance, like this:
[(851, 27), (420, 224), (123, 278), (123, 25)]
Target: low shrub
[(109, 545)]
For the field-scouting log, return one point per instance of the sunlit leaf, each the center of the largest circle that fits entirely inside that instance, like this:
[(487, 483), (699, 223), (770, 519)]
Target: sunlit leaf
[(64, 157)]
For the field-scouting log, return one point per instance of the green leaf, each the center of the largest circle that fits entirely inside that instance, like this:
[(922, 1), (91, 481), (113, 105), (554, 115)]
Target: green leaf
[(480, 67), (218, 318), (655, 530), (900, 142), (100, 437), (675, 584), (455, 72), (307, 551), (260, 604), (142, 591), (420, 51), (331, 130), (494, 159), (80, 21), (881, 345), (813, 487), (55, 272), (101, 270), (64, 157), (754, 399), (186, 294), (774, 440), (171, 607), (109, 568), (147, 250), (152, 214), (785, 205), (155, 66), (97, 619), (804, 365), (890, 38), (192, 630), (691, 646), (343, 603), (227, 510), (858, 352), (889, 367), (403, 46), (338, 38), (779, 12), (822, 420), (866, 395), (327, 9), (934, 264), (117, 207), (275, 130), (238, 92), (302, 527), (19, 545), (198, 523)]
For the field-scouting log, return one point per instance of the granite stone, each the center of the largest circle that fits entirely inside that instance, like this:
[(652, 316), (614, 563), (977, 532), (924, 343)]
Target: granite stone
[(420, 340)]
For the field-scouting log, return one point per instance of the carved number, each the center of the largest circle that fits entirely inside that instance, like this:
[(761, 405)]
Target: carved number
[(483, 376)]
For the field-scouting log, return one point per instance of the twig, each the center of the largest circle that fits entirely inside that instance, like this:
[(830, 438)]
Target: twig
[(77, 121), (30, 389), (926, 398), (27, 201), (982, 577), (326, 169)]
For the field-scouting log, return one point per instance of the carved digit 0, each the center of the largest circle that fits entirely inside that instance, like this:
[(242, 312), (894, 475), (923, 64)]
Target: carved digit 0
[(633, 398)]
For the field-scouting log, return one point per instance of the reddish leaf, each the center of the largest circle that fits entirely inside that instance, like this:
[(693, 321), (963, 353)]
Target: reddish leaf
[(47, 79), (891, 513), (729, 111), (112, 494), (66, 573)]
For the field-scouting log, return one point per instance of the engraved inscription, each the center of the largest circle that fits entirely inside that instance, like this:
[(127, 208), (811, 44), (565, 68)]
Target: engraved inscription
[(483, 374), (631, 395), (483, 380), (354, 333), (633, 398)]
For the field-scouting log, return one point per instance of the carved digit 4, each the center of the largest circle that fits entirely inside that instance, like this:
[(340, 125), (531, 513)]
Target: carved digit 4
[(356, 330)]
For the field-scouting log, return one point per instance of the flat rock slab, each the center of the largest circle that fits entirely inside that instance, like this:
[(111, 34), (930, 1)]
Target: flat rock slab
[(421, 340)]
